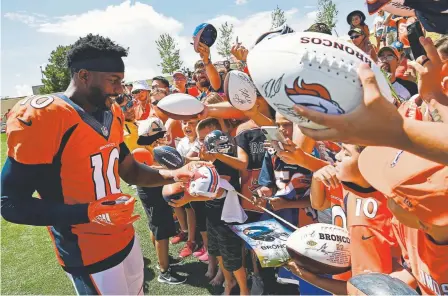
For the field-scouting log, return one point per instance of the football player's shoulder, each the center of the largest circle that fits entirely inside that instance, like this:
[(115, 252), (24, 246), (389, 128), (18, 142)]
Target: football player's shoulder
[(35, 117), (42, 109)]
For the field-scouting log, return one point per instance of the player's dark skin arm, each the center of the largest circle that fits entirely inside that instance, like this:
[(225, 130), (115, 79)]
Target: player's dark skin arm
[(20, 181), (139, 174)]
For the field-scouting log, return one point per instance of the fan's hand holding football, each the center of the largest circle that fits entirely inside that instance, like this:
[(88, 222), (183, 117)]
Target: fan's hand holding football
[(300, 272), (327, 175), (204, 52), (375, 122), (113, 210), (239, 52), (204, 114)]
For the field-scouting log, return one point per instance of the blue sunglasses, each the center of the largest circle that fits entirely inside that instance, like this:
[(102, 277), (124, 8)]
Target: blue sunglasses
[(128, 105)]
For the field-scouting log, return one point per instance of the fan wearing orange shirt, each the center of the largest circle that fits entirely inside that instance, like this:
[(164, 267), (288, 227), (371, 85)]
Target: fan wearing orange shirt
[(416, 190), (362, 210), (69, 148)]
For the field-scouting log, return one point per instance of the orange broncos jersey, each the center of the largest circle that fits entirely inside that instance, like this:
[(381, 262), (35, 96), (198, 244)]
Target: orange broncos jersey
[(427, 260), (365, 214), (53, 130)]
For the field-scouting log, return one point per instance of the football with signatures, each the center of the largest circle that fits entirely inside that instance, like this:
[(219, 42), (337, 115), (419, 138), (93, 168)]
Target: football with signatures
[(320, 248), (240, 90), (180, 106), (168, 157), (314, 70)]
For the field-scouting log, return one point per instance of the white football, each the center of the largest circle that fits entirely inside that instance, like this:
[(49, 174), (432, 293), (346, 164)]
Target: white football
[(320, 248), (314, 70), (180, 106), (240, 90)]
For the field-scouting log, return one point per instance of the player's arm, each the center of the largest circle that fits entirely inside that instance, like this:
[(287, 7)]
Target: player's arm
[(19, 182), (139, 174)]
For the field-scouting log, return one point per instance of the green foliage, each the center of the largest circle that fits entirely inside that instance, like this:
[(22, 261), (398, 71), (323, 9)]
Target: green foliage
[(224, 44), (57, 74), (169, 54), (277, 18), (327, 13)]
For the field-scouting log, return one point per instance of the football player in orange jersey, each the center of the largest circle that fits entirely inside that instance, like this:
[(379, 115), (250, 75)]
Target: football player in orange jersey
[(363, 211), (69, 148)]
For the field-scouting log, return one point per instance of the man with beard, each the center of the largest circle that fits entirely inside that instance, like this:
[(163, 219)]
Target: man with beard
[(206, 75), (388, 60), (76, 169)]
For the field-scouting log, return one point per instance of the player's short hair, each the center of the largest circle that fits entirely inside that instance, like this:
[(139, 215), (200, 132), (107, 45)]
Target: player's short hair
[(442, 45), (209, 122), (319, 28), (93, 47), (162, 79)]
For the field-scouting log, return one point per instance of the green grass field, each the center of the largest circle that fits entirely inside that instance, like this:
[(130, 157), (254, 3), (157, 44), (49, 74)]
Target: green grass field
[(29, 265)]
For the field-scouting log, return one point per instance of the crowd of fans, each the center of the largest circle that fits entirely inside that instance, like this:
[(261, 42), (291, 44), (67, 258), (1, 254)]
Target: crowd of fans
[(392, 200), (321, 165)]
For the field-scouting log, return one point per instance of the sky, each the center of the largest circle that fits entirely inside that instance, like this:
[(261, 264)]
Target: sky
[(31, 29)]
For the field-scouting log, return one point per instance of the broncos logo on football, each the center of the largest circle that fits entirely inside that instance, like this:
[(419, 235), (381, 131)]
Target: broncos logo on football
[(314, 96)]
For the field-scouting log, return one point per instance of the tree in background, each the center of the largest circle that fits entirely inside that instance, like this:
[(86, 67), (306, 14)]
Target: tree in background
[(327, 13), (169, 54), (277, 18), (57, 74), (224, 44)]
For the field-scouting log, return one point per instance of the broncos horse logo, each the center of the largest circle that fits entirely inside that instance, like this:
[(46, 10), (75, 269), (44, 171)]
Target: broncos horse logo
[(314, 96)]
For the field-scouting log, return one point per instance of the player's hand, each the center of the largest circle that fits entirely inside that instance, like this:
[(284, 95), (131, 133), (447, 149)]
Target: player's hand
[(327, 175), (204, 52), (291, 153), (375, 122), (278, 203), (186, 173), (113, 210), (300, 271), (429, 69), (239, 52)]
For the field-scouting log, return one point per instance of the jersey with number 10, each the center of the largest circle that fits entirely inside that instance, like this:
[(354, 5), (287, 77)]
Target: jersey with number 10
[(364, 213), (84, 152)]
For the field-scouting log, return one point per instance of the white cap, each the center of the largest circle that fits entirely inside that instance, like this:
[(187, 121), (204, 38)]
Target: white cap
[(205, 182), (140, 85), (150, 127)]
